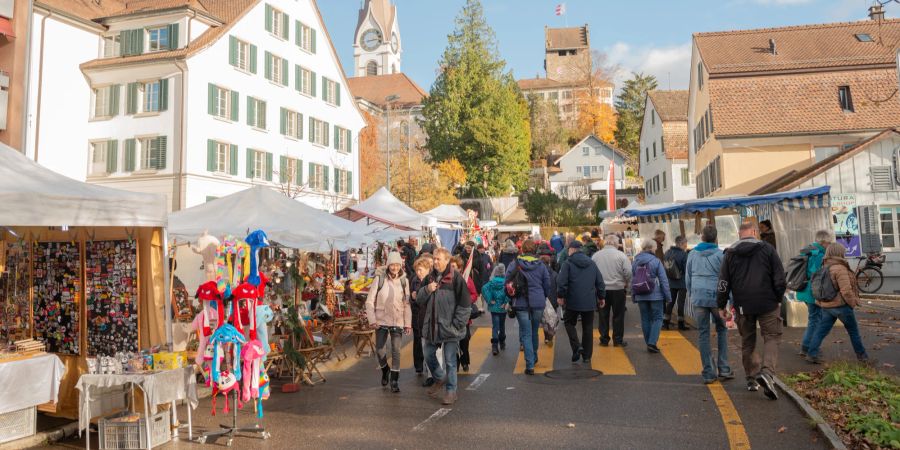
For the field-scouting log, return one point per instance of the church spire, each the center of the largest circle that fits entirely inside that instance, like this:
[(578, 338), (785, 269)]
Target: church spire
[(377, 47)]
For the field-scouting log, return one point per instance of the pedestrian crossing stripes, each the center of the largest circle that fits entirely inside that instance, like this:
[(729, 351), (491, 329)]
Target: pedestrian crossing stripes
[(680, 353), (611, 360)]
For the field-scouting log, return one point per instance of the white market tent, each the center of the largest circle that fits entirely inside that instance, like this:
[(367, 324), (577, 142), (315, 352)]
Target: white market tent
[(285, 221), (448, 214), (383, 207)]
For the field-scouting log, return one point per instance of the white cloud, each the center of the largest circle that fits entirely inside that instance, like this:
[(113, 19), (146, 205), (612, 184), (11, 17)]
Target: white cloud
[(670, 64)]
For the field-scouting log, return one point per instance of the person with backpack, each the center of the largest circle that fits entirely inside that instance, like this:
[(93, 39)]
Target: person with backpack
[(811, 257), (650, 290), (581, 292), (753, 277), (494, 293), (701, 275), (589, 247), (675, 261), (389, 313), (528, 285), (616, 271), (837, 293), (545, 252)]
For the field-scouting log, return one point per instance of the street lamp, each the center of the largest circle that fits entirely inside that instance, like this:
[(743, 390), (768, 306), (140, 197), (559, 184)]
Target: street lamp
[(388, 100)]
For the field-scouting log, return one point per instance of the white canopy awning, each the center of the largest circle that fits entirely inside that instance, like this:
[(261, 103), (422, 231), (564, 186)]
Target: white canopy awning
[(33, 195), (285, 221), (448, 214), (383, 207)]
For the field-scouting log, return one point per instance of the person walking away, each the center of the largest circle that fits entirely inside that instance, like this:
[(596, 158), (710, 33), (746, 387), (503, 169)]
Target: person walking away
[(616, 271), (423, 267), (494, 293), (487, 262), (815, 255), (660, 237), (675, 262), (408, 253), (447, 307), (701, 276), (557, 242), (840, 306), (464, 358), (389, 313), (545, 252), (509, 252), (766, 234), (753, 276), (589, 247), (581, 291), (478, 271), (650, 290), (529, 304)]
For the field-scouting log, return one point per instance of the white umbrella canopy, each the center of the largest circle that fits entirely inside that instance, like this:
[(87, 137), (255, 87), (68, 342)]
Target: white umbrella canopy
[(285, 221), (448, 213), (384, 207)]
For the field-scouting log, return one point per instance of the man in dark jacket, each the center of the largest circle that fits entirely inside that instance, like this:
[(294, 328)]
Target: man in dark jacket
[(589, 247), (675, 262), (581, 292), (408, 253), (447, 307), (753, 275)]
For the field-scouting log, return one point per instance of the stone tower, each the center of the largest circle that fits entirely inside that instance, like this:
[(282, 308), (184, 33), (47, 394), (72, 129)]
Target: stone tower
[(377, 46)]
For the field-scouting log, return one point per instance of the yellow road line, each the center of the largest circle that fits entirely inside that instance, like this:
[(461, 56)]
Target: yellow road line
[(406, 356), (479, 348), (680, 353), (610, 360), (545, 358), (737, 435)]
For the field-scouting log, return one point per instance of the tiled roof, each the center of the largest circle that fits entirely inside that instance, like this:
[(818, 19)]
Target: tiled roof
[(670, 105), (800, 48), (531, 84), (675, 137), (376, 88), (94, 10), (566, 38), (804, 103), (795, 178)]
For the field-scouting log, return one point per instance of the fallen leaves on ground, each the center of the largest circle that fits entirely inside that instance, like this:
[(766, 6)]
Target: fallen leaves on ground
[(782, 429)]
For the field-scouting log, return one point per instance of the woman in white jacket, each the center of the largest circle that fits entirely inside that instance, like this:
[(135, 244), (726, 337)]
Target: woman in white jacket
[(389, 313)]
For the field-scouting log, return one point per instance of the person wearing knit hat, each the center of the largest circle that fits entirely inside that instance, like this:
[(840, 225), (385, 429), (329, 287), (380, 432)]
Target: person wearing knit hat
[(389, 313), (494, 293)]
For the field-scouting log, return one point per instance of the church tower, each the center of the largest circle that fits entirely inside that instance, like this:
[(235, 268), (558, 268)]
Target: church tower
[(377, 46)]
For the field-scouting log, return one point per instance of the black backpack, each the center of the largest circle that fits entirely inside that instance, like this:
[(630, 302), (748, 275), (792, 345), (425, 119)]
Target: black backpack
[(516, 283), (673, 272), (823, 288), (796, 272)]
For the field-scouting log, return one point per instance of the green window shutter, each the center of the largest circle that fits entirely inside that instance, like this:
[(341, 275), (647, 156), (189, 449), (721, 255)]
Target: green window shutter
[(269, 158), (283, 121), (161, 148), (173, 36), (325, 89), (125, 42), (337, 180), (235, 99), (112, 154), (164, 94), (233, 160), (250, 162), (312, 82), (297, 77), (312, 173), (312, 129), (336, 138), (312, 40), (349, 141), (268, 17), (129, 155), (349, 182), (211, 155), (325, 177), (298, 173), (286, 26), (325, 137), (251, 111), (232, 51), (213, 99), (284, 72), (252, 58), (261, 123), (137, 41), (131, 100), (282, 169), (114, 99), (337, 94), (299, 126), (297, 33), (268, 70)]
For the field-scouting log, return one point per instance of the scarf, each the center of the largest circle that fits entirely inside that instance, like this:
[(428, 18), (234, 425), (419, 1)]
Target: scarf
[(705, 246)]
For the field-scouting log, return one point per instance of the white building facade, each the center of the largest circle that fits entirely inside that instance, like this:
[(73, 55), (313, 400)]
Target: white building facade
[(663, 148), (199, 104), (585, 169)]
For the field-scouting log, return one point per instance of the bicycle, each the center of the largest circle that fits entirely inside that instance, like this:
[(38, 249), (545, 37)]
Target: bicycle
[(869, 277)]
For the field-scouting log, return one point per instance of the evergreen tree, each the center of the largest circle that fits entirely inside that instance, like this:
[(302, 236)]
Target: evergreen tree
[(475, 112), (630, 106)]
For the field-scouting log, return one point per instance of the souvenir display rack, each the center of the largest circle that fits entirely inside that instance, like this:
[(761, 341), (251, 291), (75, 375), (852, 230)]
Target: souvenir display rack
[(111, 283), (56, 280)]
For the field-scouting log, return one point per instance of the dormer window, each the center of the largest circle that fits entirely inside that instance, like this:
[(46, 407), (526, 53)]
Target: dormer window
[(158, 39), (845, 99)]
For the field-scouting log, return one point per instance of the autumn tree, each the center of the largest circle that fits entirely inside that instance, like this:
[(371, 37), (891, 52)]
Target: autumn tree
[(475, 112), (371, 160), (630, 106), (594, 114), (422, 184)]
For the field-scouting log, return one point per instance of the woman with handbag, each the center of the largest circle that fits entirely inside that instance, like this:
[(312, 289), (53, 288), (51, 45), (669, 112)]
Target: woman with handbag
[(650, 290), (389, 313)]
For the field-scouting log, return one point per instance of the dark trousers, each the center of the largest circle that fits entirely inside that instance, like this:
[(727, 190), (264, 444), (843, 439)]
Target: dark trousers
[(587, 323), (615, 304), (418, 354), (678, 296), (464, 349)]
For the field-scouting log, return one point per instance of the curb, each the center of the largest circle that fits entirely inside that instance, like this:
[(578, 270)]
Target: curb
[(833, 439)]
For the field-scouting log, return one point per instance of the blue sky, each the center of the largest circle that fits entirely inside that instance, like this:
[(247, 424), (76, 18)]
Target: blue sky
[(652, 36)]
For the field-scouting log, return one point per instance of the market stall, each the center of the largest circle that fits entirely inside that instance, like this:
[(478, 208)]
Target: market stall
[(383, 207), (82, 269)]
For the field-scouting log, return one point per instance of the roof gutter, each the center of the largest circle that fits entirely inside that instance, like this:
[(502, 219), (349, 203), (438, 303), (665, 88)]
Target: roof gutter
[(796, 133), (757, 73)]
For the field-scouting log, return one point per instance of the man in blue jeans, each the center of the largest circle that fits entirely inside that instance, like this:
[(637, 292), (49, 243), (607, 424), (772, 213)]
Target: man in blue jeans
[(701, 277), (816, 254)]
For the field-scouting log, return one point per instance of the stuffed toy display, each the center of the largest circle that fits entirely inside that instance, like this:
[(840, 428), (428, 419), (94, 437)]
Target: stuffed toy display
[(207, 247), (232, 264), (209, 298), (256, 240)]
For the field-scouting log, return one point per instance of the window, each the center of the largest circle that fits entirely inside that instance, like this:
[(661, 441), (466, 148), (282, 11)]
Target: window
[(685, 177), (305, 81), (147, 96), (276, 69), (587, 171), (561, 53), (221, 157), (331, 92), (652, 117), (318, 177), (654, 150), (647, 154), (106, 101), (223, 103), (291, 124), (148, 149), (568, 108), (597, 151), (594, 169), (158, 39), (845, 99), (700, 75), (665, 187), (256, 113), (277, 22), (112, 45), (567, 94), (305, 37), (146, 153), (242, 55), (890, 224), (554, 96), (342, 139), (656, 183), (150, 96), (343, 181), (372, 68), (586, 151), (318, 132), (882, 178), (863, 37), (290, 171), (259, 165), (103, 157)]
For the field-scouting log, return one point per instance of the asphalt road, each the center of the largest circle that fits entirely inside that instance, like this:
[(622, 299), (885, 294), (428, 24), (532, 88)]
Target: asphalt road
[(644, 401)]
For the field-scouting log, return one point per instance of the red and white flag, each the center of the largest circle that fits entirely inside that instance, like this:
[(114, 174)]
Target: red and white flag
[(561, 9), (611, 190)]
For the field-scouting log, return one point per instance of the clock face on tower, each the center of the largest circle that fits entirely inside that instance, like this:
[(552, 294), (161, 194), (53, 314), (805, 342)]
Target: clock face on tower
[(395, 42), (371, 39)]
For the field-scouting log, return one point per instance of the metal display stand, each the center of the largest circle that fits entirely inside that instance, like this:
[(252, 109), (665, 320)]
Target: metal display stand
[(232, 430)]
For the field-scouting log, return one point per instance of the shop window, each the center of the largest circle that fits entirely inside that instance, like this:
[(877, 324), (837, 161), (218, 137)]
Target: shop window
[(890, 224)]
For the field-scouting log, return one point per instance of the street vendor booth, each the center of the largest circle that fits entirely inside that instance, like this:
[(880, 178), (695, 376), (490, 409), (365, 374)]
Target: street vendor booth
[(82, 273), (383, 207), (796, 216)]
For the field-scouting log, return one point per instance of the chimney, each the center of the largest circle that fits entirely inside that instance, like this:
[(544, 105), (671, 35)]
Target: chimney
[(876, 12), (772, 47)]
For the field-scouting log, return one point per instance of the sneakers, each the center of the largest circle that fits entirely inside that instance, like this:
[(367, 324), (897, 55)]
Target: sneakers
[(652, 348), (768, 386), (576, 355), (709, 381), (449, 399), (620, 344), (813, 359), (436, 388), (529, 371), (726, 376), (604, 343), (752, 386), (586, 361)]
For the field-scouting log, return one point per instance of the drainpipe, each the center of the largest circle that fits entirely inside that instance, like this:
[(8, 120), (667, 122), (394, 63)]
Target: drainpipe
[(40, 83), (179, 176), (27, 79)]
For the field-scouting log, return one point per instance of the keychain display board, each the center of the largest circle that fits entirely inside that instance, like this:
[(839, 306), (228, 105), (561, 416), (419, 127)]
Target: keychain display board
[(56, 273), (111, 292), (15, 291)]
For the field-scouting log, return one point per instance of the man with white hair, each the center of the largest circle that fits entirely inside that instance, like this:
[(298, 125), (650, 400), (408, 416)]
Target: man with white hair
[(815, 255), (616, 271)]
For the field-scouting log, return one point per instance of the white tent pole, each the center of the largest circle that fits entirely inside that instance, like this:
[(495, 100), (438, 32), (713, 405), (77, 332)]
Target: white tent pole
[(167, 287)]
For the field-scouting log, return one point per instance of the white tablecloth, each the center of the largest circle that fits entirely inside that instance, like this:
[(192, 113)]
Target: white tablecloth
[(30, 382)]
